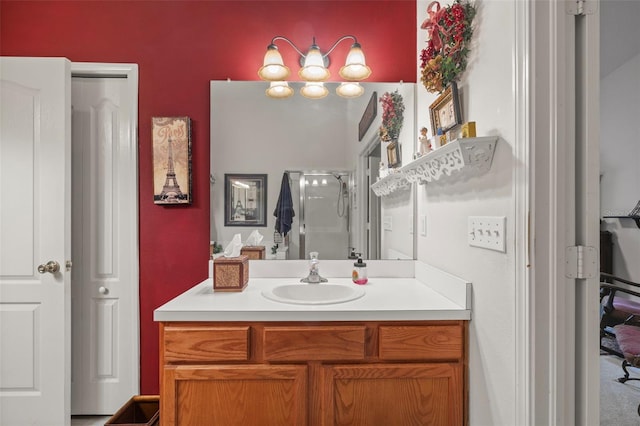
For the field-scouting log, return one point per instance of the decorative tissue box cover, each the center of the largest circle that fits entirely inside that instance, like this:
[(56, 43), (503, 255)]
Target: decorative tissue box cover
[(253, 252), (230, 273)]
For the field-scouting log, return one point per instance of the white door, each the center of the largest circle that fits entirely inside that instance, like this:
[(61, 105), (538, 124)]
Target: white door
[(35, 211), (105, 368)]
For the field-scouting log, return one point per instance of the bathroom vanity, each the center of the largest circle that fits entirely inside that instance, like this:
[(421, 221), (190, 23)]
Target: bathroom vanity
[(395, 355)]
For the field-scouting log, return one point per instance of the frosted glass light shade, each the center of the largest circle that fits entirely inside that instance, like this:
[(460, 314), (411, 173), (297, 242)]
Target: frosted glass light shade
[(273, 68), (314, 90), (279, 90), (314, 69), (355, 67), (350, 89)]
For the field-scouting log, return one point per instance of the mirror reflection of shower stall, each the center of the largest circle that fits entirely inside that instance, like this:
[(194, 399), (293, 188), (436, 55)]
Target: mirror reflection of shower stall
[(322, 204)]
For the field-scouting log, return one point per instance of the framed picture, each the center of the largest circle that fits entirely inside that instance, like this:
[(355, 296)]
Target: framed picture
[(245, 200), (171, 137), (367, 117), (445, 111), (393, 155)]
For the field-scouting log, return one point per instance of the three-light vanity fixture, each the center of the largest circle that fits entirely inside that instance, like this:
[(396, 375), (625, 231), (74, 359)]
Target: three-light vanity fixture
[(314, 71)]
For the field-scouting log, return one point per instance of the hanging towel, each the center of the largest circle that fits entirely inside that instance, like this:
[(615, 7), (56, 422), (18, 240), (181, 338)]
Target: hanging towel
[(284, 208)]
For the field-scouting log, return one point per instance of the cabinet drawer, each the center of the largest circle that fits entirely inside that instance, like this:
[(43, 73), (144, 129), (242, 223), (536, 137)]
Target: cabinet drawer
[(206, 344), (438, 342), (313, 343)]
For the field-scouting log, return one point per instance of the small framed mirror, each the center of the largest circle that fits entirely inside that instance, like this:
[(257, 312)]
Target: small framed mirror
[(245, 199)]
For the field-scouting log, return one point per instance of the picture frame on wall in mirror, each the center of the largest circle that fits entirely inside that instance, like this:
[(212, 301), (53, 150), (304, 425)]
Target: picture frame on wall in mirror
[(445, 110), (368, 115), (171, 141), (245, 199), (393, 155)]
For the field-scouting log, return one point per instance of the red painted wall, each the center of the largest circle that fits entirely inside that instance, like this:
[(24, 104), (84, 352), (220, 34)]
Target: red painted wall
[(179, 47)]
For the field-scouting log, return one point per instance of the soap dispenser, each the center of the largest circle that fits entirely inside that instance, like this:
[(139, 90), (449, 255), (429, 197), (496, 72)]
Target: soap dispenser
[(359, 274)]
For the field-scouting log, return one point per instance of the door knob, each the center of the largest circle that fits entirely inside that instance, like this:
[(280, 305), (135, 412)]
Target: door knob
[(103, 290), (51, 266)]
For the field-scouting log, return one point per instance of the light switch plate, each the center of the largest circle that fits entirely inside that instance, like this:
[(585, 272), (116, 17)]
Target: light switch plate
[(487, 232), (423, 225), (387, 223)]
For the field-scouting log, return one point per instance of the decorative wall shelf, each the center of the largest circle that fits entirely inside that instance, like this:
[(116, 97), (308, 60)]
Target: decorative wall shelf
[(459, 157), (390, 183)]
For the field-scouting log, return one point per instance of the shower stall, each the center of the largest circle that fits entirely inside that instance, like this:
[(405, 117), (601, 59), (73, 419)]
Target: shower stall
[(322, 204)]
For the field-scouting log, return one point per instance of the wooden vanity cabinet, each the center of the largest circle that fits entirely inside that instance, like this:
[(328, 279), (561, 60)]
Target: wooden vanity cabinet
[(321, 373)]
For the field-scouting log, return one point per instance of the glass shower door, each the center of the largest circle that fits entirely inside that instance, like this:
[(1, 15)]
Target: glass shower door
[(324, 214)]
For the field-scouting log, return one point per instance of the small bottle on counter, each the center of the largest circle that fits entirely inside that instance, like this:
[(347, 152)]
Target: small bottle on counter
[(359, 274)]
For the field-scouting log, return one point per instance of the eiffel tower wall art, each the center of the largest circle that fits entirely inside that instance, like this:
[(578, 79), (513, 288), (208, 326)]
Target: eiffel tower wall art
[(171, 160)]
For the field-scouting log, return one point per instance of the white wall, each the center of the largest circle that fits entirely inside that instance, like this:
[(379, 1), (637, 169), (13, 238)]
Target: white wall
[(486, 92), (619, 160)]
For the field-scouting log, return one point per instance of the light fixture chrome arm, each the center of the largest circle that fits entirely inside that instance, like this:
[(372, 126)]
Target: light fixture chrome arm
[(324, 55), (355, 40), (276, 38)]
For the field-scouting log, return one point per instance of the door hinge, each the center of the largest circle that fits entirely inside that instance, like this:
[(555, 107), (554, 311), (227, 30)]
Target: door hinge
[(581, 7), (581, 262)]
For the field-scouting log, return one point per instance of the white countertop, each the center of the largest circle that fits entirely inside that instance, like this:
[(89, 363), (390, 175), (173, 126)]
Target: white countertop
[(385, 299)]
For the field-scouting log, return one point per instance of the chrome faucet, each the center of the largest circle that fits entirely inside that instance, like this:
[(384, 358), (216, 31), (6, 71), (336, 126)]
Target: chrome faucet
[(314, 270)]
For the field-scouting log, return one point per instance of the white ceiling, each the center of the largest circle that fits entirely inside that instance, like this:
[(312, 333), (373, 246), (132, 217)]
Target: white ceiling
[(619, 33)]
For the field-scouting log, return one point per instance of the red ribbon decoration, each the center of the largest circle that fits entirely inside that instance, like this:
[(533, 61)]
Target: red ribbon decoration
[(431, 24)]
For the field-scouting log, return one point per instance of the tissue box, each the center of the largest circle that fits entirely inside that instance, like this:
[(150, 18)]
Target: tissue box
[(230, 273), (253, 252)]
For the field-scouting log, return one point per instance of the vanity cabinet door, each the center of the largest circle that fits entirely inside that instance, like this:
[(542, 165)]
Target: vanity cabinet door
[(392, 394), (229, 395)]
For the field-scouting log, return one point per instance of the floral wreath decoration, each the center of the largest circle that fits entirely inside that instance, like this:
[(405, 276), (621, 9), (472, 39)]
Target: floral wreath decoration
[(445, 57), (392, 116)]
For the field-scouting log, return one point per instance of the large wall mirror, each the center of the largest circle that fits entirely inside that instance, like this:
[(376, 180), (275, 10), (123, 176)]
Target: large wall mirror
[(319, 148)]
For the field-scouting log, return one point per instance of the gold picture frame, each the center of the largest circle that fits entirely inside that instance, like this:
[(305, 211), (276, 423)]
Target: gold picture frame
[(393, 155), (445, 110)]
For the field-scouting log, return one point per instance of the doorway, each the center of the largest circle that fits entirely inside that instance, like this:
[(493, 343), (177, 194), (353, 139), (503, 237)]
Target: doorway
[(619, 178), (373, 206), (104, 228)]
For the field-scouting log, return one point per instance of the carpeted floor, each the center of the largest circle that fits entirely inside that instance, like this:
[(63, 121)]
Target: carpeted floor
[(618, 401)]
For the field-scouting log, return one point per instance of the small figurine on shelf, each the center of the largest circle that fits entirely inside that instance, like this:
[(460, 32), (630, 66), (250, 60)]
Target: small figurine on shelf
[(425, 142)]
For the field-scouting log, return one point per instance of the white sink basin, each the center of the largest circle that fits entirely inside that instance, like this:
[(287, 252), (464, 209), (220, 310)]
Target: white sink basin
[(313, 294)]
